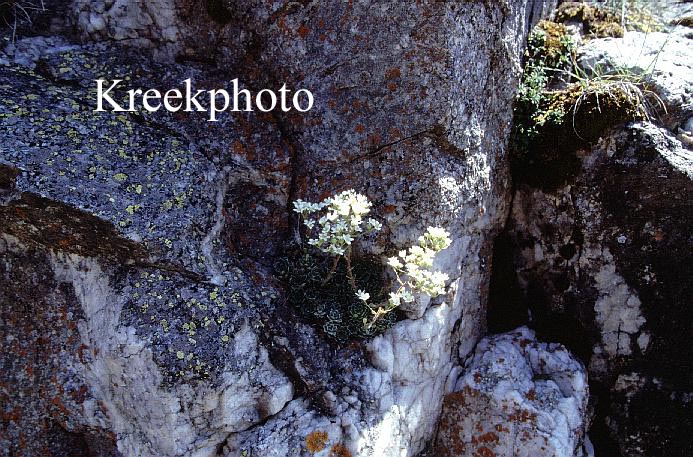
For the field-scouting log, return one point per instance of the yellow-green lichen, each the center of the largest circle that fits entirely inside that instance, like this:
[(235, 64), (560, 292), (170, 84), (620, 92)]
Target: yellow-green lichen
[(132, 208)]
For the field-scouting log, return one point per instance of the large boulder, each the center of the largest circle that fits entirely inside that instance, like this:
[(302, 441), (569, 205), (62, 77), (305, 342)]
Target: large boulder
[(601, 261), (517, 397), (138, 300), (607, 256)]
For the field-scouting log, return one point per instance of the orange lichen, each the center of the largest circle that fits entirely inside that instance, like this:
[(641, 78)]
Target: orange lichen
[(303, 31), (393, 73), (339, 450), (488, 437), (456, 398), (316, 441), (522, 415), (483, 451)]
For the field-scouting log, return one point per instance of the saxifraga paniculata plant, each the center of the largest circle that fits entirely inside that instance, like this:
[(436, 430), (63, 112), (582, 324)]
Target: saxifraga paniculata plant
[(346, 296)]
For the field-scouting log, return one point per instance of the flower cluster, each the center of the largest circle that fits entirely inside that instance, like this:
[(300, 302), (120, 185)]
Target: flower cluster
[(333, 225), (342, 222), (413, 270), (415, 264)]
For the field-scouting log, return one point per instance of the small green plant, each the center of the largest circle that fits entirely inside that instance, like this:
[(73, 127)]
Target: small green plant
[(550, 50), (561, 108), (348, 298), (333, 307)]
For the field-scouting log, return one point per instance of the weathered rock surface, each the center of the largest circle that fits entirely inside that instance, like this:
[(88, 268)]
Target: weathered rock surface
[(517, 397), (607, 256), (602, 263), (139, 310)]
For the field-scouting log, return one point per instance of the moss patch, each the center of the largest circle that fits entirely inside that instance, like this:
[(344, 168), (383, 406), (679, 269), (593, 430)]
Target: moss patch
[(555, 116), (567, 121), (604, 22), (550, 45), (596, 22), (641, 19)]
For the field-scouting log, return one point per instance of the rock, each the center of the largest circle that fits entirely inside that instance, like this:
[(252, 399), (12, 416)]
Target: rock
[(152, 357), (606, 256), (8, 190), (148, 24), (647, 410), (517, 397), (660, 58), (137, 289)]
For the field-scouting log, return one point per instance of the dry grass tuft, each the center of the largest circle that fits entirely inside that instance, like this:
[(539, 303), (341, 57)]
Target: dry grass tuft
[(14, 13)]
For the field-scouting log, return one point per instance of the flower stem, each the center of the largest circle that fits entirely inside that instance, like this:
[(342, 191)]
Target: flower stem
[(350, 274), (335, 262)]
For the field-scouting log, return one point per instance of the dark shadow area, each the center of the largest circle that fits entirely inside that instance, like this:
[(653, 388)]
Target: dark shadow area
[(507, 308), (218, 12)]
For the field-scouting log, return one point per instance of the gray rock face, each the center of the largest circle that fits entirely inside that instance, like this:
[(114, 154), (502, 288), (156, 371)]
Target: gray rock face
[(606, 256), (517, 397), (147, 24), (138, 249), (602, 262)]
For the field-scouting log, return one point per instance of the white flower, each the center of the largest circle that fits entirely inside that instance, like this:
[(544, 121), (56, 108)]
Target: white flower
[(394, 263), (300, 206), (436, 238), (340, 219), (336, 250), (314, 207), (340, 224), (414, 268), (363, 295), (374, 225), (407, 296), (420, 256)]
